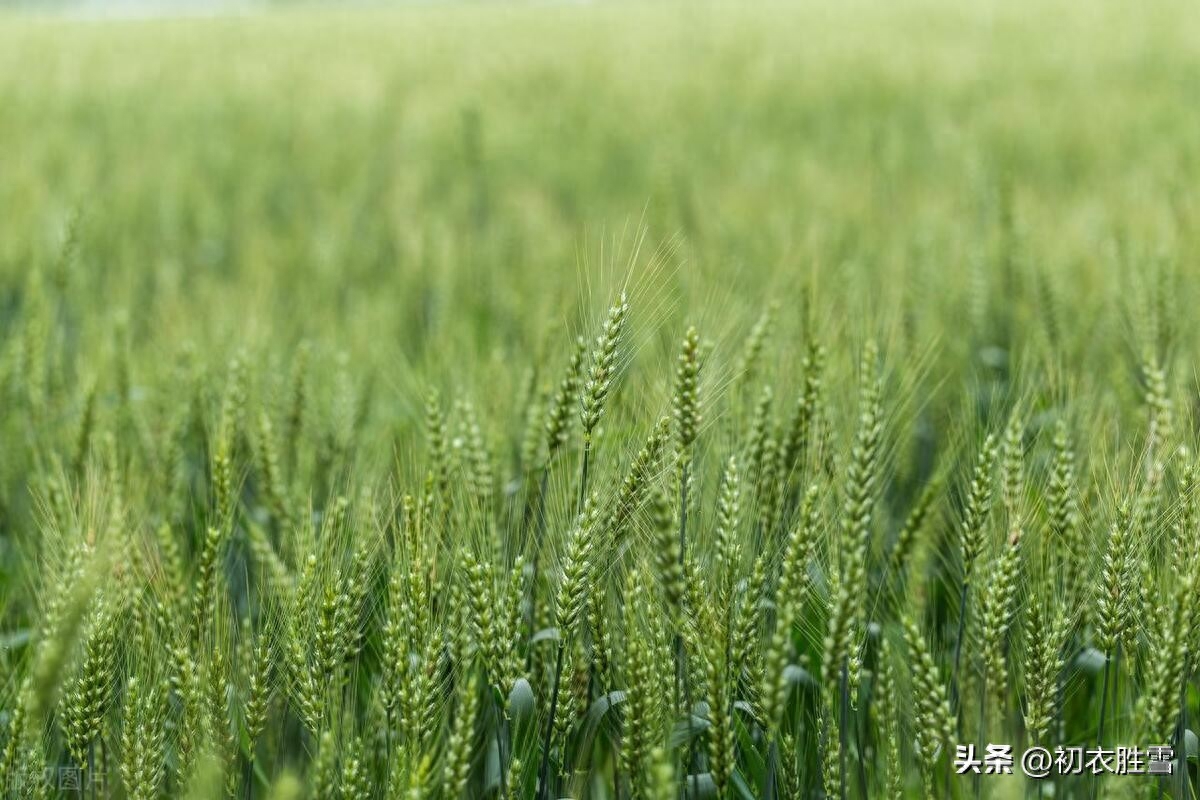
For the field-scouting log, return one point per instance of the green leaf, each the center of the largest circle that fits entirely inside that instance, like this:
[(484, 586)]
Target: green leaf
[(683, 732), (797, 676), (521, 701), (596, 716), (1090, 660), (701, 786), (545, 635)]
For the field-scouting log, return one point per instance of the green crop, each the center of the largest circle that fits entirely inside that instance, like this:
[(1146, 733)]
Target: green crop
[(603, 401)]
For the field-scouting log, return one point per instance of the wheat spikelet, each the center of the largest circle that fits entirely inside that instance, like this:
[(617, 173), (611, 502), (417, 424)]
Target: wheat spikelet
[(932, 716), (601, 370), (1046, 636), (855, 530), (143, 756), (88, 696)]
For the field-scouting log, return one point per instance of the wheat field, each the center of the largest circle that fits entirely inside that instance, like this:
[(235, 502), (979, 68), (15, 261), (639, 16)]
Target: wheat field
[(606, 401)]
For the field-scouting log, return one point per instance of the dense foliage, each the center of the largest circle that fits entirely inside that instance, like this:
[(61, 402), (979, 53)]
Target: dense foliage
[(597, 401)]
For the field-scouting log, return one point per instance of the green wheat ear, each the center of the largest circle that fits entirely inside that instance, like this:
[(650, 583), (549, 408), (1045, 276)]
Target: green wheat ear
[(686, 399), (438, 438), (663, 784), (1013, 467), (713, 644), (727, 556), (578, 569), (801, 429), (997, 612), (271, 472), (644, 705), (853, 544), (88, 696), (752, 350), (636, 486), (324, 777), (355, 780), (559, 414), (890, 720), (457, 768), (935, 728), (478, 459), (978, 508), (831, 755), (259, 692), (602, 368), (668, 560), (1045, 659), (1112, 607), (790, 599), (914, 523), (297, 408), (15, 735), (1159, 705), (143, 739)]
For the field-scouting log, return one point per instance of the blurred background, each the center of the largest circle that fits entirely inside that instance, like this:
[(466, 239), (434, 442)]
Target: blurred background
[(382, 179)]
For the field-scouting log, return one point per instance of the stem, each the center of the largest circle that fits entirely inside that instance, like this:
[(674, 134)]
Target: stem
[(680, 654), (531, 619), (1060, 689), (344, 679), (1103, 709), (843, 733), (769, 782), (983, 690), (543, 791), (1117, 686), (103, 764), (958, 643), (812, 746), (683, 700), (692, 784), (613, 743), (683, 507), (1181, 734), (501, 726), (387, 738), (858, 746), (583, 471), (616, 761)]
